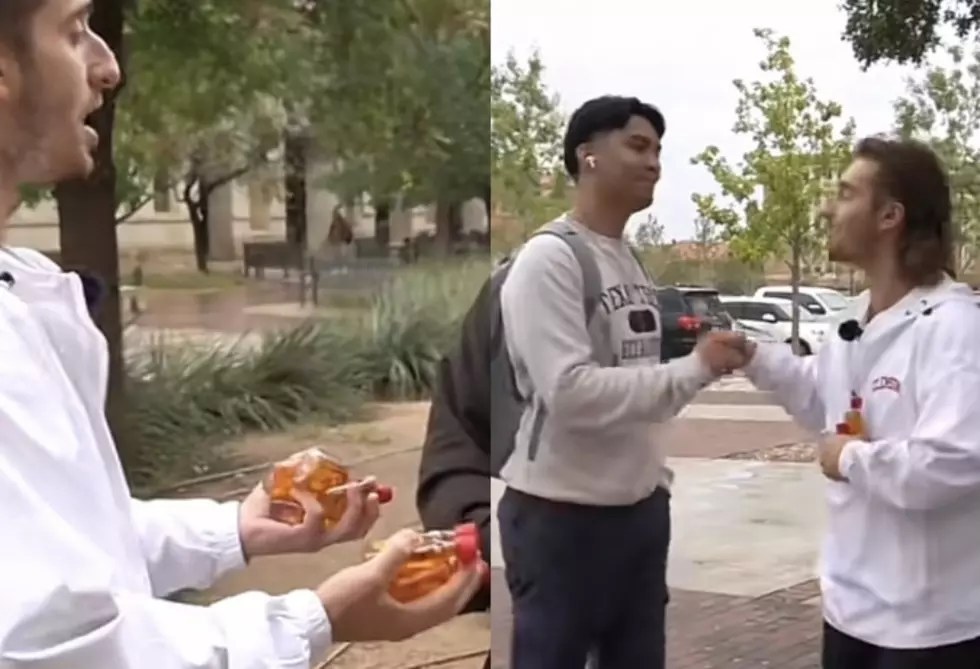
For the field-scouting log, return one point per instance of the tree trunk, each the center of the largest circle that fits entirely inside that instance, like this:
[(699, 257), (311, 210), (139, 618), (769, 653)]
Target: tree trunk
[(295, 185), (382, 226), (87, 219), (448, 224), (444, 238), (796, 257), (486, 195), (197, 212)]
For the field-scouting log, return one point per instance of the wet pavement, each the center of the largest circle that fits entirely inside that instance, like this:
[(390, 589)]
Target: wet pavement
[(740, 527), (226, 310)]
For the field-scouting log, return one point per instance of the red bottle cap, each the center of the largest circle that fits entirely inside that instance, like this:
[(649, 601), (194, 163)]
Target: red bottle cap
[(385, 493), (856, 403), (471, 529), (843, 428), (467, 548)]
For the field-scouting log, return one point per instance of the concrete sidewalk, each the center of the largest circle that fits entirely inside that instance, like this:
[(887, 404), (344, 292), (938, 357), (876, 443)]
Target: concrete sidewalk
[(740, 527), (742, 571)]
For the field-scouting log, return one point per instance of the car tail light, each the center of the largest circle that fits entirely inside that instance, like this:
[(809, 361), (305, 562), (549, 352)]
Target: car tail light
[(690, 323)]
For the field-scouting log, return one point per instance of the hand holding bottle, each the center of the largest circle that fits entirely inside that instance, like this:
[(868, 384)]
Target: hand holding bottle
[(360, 607), (263, 532)]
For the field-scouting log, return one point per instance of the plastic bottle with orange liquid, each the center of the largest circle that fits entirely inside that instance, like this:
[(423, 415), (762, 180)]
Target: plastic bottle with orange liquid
[(440, 555), (854, 418), (315, 472)]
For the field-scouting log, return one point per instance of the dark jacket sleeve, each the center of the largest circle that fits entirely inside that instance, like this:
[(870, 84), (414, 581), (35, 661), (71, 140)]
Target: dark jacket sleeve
[(454, 475)]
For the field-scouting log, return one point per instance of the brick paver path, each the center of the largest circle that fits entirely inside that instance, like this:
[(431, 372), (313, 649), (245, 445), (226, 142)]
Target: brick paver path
[(780, 630), (704, 438)]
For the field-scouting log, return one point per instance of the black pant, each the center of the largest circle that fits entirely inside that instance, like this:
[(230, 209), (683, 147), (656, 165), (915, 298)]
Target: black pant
[(841, 651), (585, 578)]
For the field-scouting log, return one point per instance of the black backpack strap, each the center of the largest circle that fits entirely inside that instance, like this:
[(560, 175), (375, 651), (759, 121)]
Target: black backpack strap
[(591, 275)]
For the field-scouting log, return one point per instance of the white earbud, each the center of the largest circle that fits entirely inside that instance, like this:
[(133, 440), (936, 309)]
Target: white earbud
[(590, 161)]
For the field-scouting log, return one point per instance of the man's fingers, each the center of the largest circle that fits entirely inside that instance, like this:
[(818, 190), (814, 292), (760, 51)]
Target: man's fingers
[(446, 602), (352, 514), (370, 514), (472, 581), (257, 501), (313, 511), (363, 511), (394, 554)]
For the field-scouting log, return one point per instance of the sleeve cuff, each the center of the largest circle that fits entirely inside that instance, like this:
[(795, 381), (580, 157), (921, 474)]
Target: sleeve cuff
[(227, 540), (758, 362), (306, 609), (692, 367)]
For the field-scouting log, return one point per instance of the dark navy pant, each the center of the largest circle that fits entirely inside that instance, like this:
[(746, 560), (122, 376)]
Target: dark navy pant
[(841, 651), (586, 579)]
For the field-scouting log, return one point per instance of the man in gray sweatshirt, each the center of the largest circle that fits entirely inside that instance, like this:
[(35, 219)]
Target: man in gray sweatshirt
[(584, 523)]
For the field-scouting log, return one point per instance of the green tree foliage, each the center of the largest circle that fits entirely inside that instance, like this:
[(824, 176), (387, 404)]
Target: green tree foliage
[(208, 96), (397, 91), (942, 107), (195, 85), (798, 146), (905, 31), (405, 96), (526, 129)]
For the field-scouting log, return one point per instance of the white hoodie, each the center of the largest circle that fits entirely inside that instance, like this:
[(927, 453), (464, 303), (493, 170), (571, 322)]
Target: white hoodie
[(85, 566), (900, 565)]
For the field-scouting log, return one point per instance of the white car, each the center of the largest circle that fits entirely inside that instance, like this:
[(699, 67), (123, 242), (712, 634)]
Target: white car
[(822, 302), (753, 333), (775, 317)]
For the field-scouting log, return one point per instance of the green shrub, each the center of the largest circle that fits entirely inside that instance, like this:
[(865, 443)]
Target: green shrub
[(413, 322), (184, 400)]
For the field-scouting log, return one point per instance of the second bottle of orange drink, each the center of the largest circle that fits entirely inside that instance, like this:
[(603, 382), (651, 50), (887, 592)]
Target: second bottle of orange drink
[(440, 555)]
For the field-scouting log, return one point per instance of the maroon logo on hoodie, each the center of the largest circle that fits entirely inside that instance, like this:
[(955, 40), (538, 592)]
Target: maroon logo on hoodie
[(886, 383)]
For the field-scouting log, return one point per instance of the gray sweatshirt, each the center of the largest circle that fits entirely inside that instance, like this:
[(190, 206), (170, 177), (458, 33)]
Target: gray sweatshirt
[(599, 444)]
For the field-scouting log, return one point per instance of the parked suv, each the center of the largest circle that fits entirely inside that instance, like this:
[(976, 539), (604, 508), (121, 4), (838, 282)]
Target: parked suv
[(686, 312)]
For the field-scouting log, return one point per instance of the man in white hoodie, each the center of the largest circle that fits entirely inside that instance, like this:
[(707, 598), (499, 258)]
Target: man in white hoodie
[(86, 568), (900, 566)]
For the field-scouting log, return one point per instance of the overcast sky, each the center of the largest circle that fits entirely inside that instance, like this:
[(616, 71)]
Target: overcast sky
[(682, 57)]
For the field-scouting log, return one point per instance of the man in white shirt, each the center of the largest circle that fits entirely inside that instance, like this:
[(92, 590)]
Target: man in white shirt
[(900, 567), (85, 567)]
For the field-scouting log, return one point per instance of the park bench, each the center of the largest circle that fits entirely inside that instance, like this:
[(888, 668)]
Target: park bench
[(260, 256), (352, 275)]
